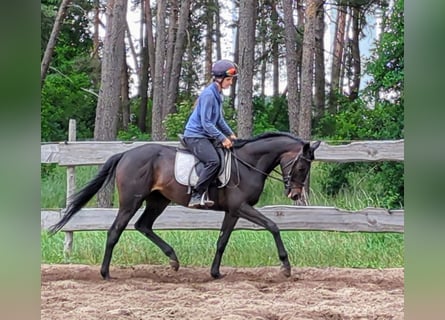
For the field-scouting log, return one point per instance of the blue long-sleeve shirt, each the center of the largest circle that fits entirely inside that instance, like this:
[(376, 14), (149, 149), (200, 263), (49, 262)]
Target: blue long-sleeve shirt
[(206, 120)]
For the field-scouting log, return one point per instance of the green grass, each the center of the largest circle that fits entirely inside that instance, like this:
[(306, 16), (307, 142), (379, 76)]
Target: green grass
[(245, 248)]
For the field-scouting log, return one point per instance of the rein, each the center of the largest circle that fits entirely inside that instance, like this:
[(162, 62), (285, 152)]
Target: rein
[(285, 179)]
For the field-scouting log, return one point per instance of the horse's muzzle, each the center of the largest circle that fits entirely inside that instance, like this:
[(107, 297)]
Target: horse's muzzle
[(294, 193)]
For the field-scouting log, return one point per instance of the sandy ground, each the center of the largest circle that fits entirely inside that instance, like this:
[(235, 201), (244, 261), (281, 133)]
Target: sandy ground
[(157, 292)]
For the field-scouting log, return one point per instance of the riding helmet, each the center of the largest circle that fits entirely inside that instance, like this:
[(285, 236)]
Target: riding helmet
[(224, 68)]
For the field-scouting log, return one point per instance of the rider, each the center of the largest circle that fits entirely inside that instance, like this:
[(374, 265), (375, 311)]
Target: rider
[(206, 125)]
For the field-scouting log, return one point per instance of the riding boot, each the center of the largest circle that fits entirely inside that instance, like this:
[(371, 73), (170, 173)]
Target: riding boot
[(198, 200), (195, 200)]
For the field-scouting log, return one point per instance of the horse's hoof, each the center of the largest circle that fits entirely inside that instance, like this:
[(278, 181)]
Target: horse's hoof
[(106, 277), (217, 275), (286, 272), (174, 265)]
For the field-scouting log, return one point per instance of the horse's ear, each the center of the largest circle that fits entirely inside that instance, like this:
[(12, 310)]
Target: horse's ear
[(315, 145), (306, 147)]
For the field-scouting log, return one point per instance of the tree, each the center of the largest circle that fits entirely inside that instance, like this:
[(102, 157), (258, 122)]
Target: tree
[(46, 60), (275, 49), (319, 66), (147, 62), (247, 19), (339, 40), (178, 54), (307, 69), (169, 50), (355, 65), (69, 89), (209, 17), (291, 66), (109, 101), (379, 105), (158, 79)]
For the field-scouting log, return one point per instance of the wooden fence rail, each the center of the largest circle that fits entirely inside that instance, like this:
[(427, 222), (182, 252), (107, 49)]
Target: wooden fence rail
[(95, 152), (286, 217)]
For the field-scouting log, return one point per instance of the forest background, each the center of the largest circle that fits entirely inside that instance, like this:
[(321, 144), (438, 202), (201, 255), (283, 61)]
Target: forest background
[(124, 86)]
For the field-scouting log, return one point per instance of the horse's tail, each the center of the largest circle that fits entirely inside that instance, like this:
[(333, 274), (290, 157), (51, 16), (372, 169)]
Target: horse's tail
[(80, 198)]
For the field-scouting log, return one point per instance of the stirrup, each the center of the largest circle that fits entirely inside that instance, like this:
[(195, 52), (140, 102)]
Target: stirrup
[(205, 201)]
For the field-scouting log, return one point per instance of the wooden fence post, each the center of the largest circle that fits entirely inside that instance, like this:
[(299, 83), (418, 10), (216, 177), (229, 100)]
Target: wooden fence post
[(70, 189)]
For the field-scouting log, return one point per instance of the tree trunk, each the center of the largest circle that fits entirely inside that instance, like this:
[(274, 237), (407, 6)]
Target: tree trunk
[(307, 69), (143, 90), (319, 74), (275, 51), (109, 101), (158, 83), (337, 58), (291, 66), (346, 59), (96, 23), (355, 55), (47, 56), (263, 68), (172, 92), (147, 65), (217, 30), (125, 101), (235, 80), (171, 39), (209, 41), (247, 19)]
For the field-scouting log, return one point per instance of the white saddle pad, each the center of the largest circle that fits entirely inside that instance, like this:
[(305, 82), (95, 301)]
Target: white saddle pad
[(185, 169)]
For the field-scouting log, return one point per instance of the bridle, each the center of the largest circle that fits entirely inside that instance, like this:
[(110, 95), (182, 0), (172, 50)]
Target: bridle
[(286, 178)]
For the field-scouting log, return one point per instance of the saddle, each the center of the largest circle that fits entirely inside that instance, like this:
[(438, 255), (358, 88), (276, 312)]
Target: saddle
[(188, 167)]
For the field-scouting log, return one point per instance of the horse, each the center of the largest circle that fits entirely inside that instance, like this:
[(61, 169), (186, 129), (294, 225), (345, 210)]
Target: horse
[(146, 174)]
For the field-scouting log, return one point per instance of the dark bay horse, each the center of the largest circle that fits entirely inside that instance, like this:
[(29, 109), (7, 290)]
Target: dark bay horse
[(146, 174)]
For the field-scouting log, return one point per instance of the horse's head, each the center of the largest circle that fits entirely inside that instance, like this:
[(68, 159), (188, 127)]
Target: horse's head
[(295, 171)]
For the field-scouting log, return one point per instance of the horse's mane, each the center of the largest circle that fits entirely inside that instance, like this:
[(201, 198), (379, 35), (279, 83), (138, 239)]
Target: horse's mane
[(241, 142)]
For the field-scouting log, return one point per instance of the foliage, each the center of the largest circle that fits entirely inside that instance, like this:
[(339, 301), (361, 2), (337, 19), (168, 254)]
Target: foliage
[(384, 180), (174, 123), (68, 91), (386, 64), (133, 133), (377, 115), (63, 98), (75, 31), (270, 114)]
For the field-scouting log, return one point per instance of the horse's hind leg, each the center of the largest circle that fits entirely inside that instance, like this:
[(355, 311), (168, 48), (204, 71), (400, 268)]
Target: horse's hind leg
[(155, 205), (125, 213), (228, 224)]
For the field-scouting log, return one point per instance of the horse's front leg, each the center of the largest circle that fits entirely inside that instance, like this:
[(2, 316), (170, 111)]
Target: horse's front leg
[(251, 214), (228, 224)]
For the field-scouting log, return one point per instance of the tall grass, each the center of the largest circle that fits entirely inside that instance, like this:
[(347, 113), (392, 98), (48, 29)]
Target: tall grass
[(245, 248)]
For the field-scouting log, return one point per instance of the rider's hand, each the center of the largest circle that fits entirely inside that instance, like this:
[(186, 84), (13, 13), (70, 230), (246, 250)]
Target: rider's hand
[(233, 137), (227, 143)]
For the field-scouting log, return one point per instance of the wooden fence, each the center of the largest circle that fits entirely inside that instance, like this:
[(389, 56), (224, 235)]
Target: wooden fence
[(72, 153)]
